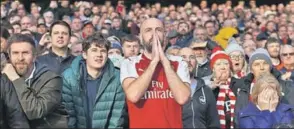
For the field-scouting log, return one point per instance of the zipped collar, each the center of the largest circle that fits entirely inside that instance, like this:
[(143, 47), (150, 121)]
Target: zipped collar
[(32, 73), (201, 64)]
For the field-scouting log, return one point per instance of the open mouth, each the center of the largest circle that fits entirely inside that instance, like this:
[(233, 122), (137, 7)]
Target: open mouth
[(98, 60), (237, 64)]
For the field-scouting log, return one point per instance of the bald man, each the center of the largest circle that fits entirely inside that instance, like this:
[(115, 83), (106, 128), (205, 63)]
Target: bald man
[(26, 22), (202, 102), (155, 86)]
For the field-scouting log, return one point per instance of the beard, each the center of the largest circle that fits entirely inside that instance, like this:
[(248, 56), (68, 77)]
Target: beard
[(148, 45), (21, 68)]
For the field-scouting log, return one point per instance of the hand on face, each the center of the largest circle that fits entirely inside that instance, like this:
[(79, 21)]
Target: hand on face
[(264, 99), (268, 99), (274, 101), (10, 72)]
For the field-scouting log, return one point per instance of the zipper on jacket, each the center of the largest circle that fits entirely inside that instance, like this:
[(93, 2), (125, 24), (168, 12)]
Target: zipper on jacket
[(193, 114), (85, 94)]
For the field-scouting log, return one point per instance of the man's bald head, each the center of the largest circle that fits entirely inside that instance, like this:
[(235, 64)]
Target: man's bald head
[(151, 31), (26, 22), (186, 50), (149, 22)]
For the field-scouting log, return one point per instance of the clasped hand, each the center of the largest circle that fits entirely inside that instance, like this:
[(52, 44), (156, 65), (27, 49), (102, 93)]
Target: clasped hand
[(158, 53)]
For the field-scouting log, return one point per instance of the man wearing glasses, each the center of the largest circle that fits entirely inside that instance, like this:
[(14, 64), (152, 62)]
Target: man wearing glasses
[(287, 58), (201, 53)]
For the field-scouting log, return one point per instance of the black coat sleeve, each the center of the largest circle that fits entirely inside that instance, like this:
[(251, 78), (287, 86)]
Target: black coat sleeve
[(15, 116), (212, 114)]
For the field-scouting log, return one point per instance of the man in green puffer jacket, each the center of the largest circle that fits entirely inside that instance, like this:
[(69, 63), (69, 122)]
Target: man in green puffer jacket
[(91, 91)]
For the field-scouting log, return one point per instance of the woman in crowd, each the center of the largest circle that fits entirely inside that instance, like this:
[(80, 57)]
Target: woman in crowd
[(237, 56), (266, 110), (229, 92)]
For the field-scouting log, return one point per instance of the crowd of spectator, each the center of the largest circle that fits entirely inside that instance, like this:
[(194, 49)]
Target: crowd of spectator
[(82, 65)]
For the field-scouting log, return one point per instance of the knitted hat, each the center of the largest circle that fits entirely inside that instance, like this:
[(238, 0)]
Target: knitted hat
[(116, 45), (234, 46), (259, 54), (218, 53)]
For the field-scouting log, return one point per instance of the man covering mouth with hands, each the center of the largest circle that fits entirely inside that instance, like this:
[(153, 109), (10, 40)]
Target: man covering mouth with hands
[(155, 86)]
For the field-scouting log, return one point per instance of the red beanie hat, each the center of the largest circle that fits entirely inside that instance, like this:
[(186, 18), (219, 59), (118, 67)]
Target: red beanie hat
[(218, 53)]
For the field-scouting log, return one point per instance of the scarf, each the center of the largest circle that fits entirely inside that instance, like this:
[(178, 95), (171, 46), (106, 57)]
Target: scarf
[(240, 74), (224, 90)]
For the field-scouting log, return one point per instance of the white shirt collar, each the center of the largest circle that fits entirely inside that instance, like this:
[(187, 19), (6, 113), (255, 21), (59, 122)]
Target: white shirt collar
[(32, 73)]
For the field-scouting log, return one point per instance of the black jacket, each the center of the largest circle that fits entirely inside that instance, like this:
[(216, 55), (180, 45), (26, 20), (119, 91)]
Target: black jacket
[(200, 111), (56, 63), (203, 70), (11, 113), (242, 95), (40, 98), (287, 86)]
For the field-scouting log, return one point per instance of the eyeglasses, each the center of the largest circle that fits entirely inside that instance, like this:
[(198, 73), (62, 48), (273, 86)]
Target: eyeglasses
[(287, 54), (235, 57)]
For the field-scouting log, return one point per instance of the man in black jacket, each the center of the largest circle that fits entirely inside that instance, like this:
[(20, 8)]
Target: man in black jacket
[(38, 89), (59, 56), (11, 113), (201, 111), (201, 53)]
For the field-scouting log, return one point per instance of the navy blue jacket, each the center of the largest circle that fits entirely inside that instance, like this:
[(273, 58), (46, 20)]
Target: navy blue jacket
[(56, 63), (252, 117)]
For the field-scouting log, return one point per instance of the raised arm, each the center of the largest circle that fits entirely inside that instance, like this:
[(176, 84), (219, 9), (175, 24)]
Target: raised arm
[(178, 85), (180, 89), (134, 87)]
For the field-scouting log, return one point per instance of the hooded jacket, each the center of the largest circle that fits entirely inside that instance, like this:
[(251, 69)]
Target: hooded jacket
[(109, 106), (200, 111), (40, 98), (252, 117), (287, 86), (11, 113)]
